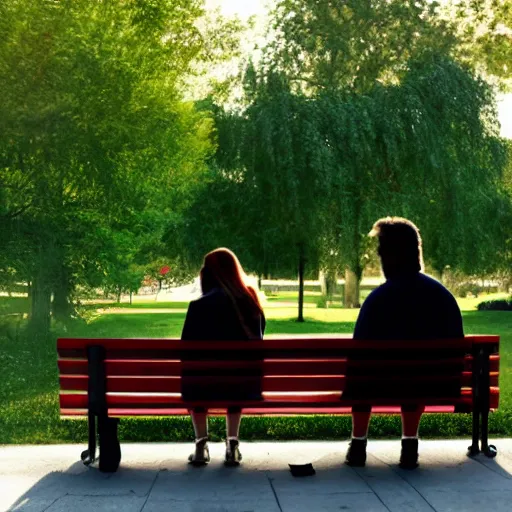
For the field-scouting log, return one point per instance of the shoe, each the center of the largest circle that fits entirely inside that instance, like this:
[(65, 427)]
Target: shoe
[(233, 455), (201, 456), (409, 455), (356, 453)]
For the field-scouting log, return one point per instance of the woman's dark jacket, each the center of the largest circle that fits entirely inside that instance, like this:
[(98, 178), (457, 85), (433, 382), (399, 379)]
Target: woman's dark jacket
[(213, 317)]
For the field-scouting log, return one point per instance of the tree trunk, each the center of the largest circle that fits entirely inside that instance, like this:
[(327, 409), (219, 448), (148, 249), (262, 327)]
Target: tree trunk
[(39, 321), (328, 283), (131, 293), (119, 295), (352, 282), (302, 265), (61, 306), (259, 282)]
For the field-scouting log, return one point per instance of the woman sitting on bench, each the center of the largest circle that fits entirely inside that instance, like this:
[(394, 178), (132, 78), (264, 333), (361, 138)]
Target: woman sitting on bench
[(228, 310)]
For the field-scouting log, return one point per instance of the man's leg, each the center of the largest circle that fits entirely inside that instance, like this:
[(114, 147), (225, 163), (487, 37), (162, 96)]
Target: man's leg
[(356, 454), (411, 421), (411, 416), (360, 423)]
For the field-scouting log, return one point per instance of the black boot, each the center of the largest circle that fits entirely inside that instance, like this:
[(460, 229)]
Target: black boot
[(356, 453), (110, 449), (409, 455)]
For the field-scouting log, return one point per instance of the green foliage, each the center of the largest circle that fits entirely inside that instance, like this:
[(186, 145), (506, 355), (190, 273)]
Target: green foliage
[(484, 34), (353, 44), (98, 146)]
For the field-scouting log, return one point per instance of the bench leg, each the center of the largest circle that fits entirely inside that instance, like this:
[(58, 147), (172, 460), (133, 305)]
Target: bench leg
[(474, 449), (89, 456), (489, 450)]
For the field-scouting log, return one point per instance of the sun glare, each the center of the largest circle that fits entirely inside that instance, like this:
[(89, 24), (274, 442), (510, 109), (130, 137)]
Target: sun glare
[(243, 8), (247, 8)]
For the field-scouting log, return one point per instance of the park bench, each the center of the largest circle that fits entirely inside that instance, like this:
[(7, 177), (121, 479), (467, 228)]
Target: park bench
[(314, 375)]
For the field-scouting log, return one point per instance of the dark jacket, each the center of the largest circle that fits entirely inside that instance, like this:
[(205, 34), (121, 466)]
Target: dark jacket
[(409, 307), (213, 317)]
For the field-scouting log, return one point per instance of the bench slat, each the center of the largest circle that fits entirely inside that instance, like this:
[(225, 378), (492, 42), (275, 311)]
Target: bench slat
[(80, 401), (256, 411), (310, 383), (269, 367), (173, 384)]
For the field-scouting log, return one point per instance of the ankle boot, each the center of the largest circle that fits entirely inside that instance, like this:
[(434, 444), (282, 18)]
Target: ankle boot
[(356, 453), (409, 455)]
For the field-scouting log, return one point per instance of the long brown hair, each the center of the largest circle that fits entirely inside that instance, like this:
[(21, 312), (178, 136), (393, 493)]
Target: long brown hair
[(222, 269)]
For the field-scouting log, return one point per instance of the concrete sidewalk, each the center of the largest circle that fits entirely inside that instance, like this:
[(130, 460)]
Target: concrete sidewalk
[(155, 477)]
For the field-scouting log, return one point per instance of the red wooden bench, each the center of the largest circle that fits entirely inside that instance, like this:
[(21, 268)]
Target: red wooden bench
[(143, 377)]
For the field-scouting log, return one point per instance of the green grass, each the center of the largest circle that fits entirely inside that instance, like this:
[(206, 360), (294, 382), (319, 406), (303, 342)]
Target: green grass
[(13, 305), (29, 392)]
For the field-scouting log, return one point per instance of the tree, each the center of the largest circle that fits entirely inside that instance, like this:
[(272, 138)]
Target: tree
[(353, 44), (484, 34), (361, 59), (94, 132), (288, 173)]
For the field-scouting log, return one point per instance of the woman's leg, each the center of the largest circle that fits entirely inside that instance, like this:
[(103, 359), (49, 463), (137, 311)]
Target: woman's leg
[(200, 422), (201, 455), (233, 419)]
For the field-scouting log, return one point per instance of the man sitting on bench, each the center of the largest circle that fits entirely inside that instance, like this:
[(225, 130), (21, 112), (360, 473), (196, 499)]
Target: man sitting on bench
[(409, 305)]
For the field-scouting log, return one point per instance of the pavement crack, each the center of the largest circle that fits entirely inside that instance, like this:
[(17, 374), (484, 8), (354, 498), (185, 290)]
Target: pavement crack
[(149, 492), (407, 482), (270, 481), (371, 488), (52, 503)]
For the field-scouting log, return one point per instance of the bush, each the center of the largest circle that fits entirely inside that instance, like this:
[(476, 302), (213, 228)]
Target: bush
[(496, 305), (321, 302)]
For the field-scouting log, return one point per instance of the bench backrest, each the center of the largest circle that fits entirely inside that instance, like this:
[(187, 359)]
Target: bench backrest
[(146, 376)]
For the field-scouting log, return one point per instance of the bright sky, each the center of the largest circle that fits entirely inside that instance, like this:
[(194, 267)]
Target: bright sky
[(242, 8), (246, 8)]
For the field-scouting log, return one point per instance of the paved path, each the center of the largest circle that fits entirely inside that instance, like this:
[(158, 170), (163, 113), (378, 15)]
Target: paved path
[(154, 477)]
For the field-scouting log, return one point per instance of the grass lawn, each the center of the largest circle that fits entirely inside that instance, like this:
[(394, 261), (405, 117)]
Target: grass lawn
[(29, 392)]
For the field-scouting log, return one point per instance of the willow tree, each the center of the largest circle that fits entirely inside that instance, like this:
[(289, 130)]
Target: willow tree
[(345, 49), (450, 162), (287, 172), (427, 149)]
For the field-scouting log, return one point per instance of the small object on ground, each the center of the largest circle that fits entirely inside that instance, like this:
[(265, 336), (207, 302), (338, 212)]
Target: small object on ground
[(302, 469)]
